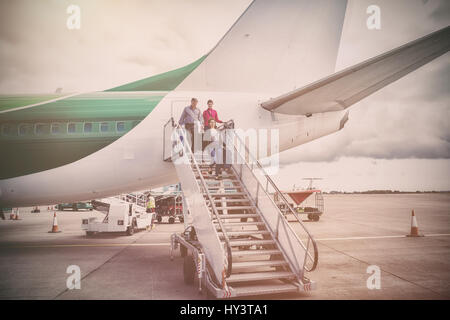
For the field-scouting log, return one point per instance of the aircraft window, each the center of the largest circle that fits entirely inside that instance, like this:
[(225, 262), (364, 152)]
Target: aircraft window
[(104, 127), (6, 130), (40, 128), (56, 128), (120, 126), (71, 128), (24, 129), (88, 127)]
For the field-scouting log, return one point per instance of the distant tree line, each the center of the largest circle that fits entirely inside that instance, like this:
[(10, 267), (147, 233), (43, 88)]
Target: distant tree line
[(381, 192)]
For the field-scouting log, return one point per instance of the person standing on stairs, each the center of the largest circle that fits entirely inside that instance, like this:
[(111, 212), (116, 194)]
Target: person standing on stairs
[(214, 147), (192, 120), (210, 113)]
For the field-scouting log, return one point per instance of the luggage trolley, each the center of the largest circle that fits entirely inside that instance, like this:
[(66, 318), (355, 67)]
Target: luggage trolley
[(308, 201)]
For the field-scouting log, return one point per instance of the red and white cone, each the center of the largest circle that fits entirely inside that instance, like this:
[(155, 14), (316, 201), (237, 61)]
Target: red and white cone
[(414, 227), (55, 225), (16, 214)]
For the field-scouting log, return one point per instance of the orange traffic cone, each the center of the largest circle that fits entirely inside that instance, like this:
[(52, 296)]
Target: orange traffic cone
[(16, 214), (414, 227), (55, 225)]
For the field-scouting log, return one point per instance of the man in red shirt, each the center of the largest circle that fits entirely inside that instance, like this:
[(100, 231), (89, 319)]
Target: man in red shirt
[(210, 113)]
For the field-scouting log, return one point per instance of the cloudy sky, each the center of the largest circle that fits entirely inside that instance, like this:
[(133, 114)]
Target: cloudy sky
[(398, 138)]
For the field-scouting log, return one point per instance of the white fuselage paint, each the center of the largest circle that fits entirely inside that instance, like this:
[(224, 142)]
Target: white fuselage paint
[(135, 161)]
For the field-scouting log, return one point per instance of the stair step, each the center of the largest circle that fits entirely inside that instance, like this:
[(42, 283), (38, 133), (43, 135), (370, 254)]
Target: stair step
[(244, 233), (229, 200), (261, 263), (236, 208), (240, 224), (240, 253), (227, 190), (225, 194), (237, 243), (216, 189), (206, 165), (213, 177), (237, 216), (205, 171), (256, 276), (254, 290), (228, 186)]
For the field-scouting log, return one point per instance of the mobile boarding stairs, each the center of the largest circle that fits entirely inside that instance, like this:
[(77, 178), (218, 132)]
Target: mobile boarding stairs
[(238, 242)]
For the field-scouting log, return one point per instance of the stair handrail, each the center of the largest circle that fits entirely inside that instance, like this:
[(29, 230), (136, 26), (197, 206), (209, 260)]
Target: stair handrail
[(134, 197), (229, 125), (187, 147)]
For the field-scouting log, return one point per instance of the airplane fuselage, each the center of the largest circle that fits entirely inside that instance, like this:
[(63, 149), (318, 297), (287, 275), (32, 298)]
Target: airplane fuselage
[(134, 161)]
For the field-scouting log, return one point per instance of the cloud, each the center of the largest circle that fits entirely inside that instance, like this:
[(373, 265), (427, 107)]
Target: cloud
[(408, 119), (442, 12), (119, 41), (359, 174)]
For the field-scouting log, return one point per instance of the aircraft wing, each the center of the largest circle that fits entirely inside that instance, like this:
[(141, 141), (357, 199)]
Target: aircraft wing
[(344, 88)]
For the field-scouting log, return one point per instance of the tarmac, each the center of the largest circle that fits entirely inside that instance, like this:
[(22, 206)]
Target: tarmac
[(355, 232)]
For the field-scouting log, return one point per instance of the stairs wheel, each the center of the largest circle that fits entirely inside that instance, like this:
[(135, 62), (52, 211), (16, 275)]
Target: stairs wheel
[(171, 220), (316, 217), (209, 295), (189, 270), (181, 219), (310, 216), (183, 251), (130, 230)]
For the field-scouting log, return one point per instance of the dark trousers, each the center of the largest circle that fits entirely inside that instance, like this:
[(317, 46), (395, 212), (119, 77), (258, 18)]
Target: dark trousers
[(190, 137), (222, 164)]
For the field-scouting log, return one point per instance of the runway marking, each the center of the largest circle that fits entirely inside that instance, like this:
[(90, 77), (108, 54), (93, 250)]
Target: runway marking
[(168, 243), (381, 237), (92, 245)]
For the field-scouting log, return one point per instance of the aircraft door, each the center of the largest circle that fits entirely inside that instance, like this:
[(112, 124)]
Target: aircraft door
[(177, 107)]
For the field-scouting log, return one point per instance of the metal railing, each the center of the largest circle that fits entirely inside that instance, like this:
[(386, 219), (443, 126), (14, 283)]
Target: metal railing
[(139, 199), (180, 132), (308, 257)]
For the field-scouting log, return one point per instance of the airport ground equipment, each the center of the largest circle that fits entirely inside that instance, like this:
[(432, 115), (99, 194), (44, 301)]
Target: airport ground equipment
[(36, 210), (6, 211), (75, 206), (137, 198), (120, 216), (13, 213), (309, 202), (239, 242), (170, 206)]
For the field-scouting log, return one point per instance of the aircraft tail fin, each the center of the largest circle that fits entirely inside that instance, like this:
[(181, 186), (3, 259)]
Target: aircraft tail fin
[(292, 43)]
